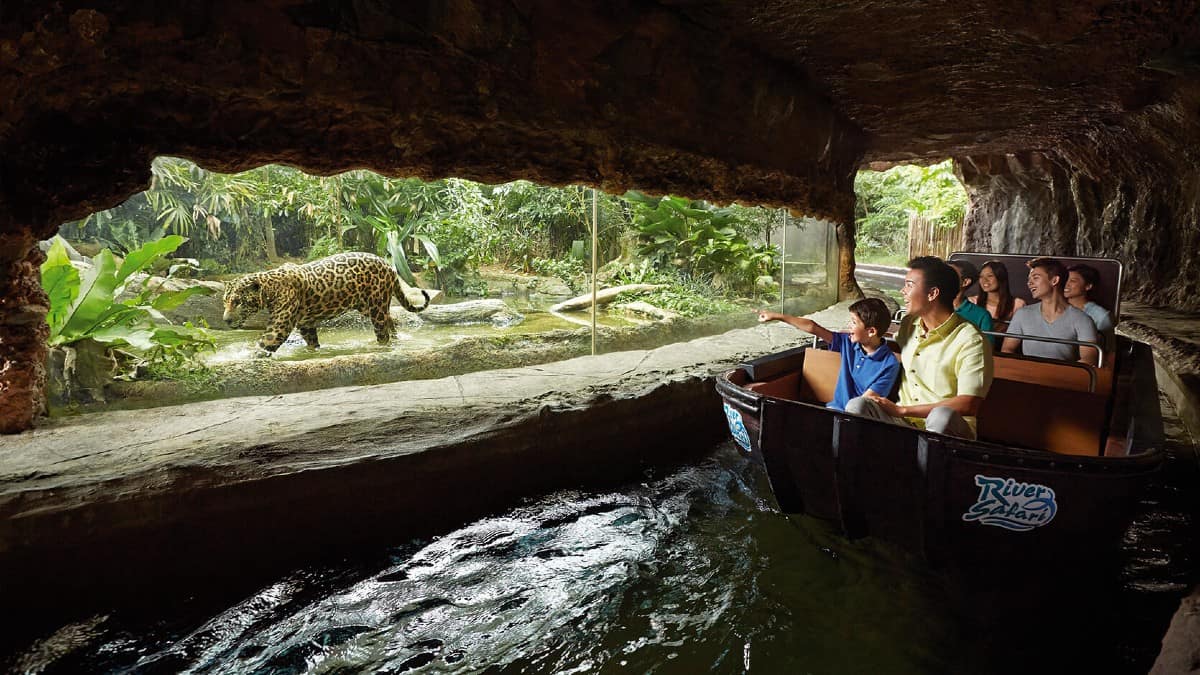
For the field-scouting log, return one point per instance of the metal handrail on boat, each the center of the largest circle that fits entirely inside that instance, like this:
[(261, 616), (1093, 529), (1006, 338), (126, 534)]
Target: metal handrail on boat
[(1079, 343), (1061, 341)]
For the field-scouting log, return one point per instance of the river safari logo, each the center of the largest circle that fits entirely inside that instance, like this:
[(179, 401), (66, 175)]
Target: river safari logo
[(1011, 504), (737, 428)]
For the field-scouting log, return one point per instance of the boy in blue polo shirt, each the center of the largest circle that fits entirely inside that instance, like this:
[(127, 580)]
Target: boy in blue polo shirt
[(867, 363)]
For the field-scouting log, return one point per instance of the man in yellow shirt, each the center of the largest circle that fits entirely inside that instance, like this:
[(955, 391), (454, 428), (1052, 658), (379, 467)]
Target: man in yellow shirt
[(947, 361)]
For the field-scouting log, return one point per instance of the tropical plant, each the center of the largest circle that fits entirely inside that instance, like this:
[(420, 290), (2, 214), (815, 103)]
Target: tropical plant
[(569, 269), (86, 306), (325, 245), (700, 240), (885, 201)]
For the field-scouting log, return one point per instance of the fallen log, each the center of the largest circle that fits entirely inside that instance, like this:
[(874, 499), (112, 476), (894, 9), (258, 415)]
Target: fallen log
[(602, 297), (647, 309), (472, 311)]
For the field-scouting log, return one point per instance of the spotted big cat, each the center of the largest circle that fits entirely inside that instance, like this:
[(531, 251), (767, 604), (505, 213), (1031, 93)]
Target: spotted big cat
[(301, 296)]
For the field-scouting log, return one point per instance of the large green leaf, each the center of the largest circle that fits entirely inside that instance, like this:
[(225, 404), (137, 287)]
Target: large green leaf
[(168, 300), (138, 336), (180, 335), (97, 288), (140, 259), (60, 280), (399, 260), (431, 249), (115, 315)]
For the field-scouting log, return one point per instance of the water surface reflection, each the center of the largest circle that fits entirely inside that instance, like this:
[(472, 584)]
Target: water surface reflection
[(691, 570)]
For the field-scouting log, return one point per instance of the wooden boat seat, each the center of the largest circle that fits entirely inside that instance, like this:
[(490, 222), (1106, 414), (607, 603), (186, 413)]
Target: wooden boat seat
[(1032, 404), (1030, 415), (821, 369), (1059, 374), (813, 384)]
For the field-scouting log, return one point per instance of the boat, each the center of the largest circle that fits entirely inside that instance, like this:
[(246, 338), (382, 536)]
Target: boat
[(1064, 450)]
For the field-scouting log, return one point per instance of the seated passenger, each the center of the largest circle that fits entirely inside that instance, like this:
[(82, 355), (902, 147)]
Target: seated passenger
[(995, 295), (947, 362), (967, 275), (1082, 281), (1051, 316), (868, 365)]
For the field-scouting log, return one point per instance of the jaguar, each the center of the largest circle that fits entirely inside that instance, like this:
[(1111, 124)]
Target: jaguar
[(301, 296)]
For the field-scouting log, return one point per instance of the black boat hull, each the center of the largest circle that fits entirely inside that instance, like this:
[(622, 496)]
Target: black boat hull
[(935, 495)]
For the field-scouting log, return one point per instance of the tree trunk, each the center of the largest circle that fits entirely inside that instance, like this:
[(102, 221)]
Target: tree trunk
[(269, 238), (847, 285)]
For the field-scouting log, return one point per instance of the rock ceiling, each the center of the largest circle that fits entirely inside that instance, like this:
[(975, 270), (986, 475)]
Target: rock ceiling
[(928, 80), (773, 101)]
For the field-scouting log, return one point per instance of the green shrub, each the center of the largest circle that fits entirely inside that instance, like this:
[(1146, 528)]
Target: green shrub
[(686, 295), (700, 240), (570, 270), (885, 201), (325, 246), (85, 306)]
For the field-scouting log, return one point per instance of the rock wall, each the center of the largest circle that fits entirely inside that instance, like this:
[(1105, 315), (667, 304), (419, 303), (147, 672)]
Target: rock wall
[(23, 333), (618, 95), (1131, 193)]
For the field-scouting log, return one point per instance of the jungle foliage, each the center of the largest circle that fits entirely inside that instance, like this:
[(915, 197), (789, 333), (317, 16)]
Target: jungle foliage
[(885, 202), (445, 229)]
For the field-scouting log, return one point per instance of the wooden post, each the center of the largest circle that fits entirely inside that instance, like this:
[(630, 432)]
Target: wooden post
[(595, 254), (783, 261)]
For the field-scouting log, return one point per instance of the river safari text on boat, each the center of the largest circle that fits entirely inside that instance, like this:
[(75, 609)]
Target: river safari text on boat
[(1063, 449)]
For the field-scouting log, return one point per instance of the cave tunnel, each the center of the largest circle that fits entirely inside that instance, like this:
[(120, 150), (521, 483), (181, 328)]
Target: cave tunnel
[(1075, 127)]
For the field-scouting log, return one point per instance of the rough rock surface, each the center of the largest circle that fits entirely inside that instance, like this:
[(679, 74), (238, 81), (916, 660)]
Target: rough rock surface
[(620, 95), (1145, 214), (23, 334), (1175, 338), (1181, 645), (111, 502)]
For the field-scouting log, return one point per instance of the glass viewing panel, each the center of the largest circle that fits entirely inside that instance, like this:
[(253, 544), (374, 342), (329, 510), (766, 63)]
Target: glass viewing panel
[(508, 267)]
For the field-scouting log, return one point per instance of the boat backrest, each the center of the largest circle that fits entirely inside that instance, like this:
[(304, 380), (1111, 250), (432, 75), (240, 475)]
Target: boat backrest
[(820, 375), (1107, 293), (1032, 403), (1061, 374), (1037, 416)]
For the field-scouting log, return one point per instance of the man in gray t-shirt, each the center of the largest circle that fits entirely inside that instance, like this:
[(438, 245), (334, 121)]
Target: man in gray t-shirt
[(1072, 324), (1051, 316)]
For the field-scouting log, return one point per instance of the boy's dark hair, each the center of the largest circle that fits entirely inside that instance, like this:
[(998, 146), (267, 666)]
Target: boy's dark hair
[(1052, 267), (1090, 276), (873, 313), (937, 274), (966, 269)]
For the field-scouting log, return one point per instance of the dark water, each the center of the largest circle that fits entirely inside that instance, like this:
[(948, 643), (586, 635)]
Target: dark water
[(690, 570)]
